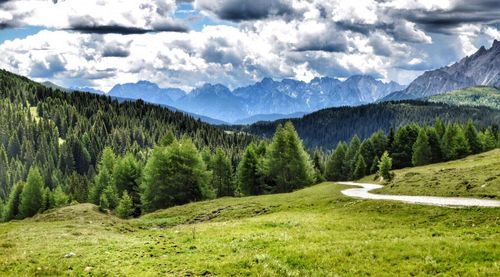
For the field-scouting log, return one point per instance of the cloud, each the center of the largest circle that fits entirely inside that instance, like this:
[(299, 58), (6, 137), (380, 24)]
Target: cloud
[(95, 16), (236, 10)]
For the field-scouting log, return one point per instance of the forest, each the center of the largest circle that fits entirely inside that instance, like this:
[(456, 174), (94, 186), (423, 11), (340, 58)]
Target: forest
[(133, 158), (325, 128)]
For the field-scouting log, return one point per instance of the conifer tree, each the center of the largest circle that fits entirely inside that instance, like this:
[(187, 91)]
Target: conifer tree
[(222, 176), (11, 209), (435, 145), (32, 195), (336, 164), (125, 207), (174, 175), (60, 198), (421, 149), (367, 151), (403, 145), (384, 167), (249, 174), (288, 164), (472, 138), (374, 167), (360, 168), (487, 140), (350, 156), (319, 165), (127, 175), (104, 176)]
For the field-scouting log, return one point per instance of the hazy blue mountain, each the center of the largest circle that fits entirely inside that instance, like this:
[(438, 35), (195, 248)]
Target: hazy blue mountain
[(480, 69), (147, 91), (88, 89), (267, 117), (264, 100), (215, 101)]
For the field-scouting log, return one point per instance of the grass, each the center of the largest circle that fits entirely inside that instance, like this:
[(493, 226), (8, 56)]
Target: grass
[(474, 176), (312, 232)]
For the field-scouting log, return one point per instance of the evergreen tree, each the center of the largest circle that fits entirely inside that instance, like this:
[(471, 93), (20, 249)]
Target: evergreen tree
[(103, 203), (11, 209), (435, 145), (249, 175), (380, 143), (350, 156), (104, 176), (47, 200), (174, 175), (472, 138), (127, 175), (288, 164), (60, 198), (367, 151), (125, 207), (319, 165), (402, 150), (374, 167), (32, 195), (384, 167), (168, 138), (421, 149), (487, 140), (454, 143), (439, 127), (335, 166), (222, 176), (360, 168)]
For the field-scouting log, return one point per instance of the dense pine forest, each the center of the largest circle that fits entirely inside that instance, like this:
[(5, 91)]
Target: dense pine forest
[(63, 135), (327, 127)]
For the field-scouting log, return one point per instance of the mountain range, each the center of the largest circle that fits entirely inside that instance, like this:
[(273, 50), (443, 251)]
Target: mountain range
[(265, 100), (480, 69)]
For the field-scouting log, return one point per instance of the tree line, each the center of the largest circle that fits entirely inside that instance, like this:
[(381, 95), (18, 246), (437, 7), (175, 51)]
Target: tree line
[(410, 145)]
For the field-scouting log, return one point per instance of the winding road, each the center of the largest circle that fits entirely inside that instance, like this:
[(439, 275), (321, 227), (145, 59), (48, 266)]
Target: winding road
[(364, 192)]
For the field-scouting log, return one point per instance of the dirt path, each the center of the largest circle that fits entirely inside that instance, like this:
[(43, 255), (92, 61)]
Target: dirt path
[(364, 192)]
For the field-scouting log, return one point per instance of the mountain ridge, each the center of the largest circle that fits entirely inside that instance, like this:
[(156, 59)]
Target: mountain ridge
[(479, 69)]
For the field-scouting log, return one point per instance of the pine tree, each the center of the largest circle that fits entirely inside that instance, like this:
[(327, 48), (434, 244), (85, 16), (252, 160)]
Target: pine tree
[(350, 156), (440, 128), (174, 175), (421, 149), (335, 166), (103, 203), (222, 176), (125, 207), (104, 177), (11, 209), (319, 165), (288, 164), (127, 175), (60, 198), (487, 140), (168, 138), (360, 168), (384, 167), (249, 175), (402, 151), (472, 138), (32, 195), (367, 151), (454, 143), (435, 145), (47, 200), (374, 167)]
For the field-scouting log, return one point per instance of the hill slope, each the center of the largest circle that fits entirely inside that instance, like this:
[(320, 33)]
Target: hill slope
[(480, 69), (473, 96), (476, 176), (326, 127), (311, 232)]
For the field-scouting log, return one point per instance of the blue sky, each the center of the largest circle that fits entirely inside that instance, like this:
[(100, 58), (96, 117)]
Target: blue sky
[(188, 43)]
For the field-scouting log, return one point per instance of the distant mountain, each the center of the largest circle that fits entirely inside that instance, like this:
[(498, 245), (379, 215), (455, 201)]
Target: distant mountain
[(54, 86), (473, 96), (266, 100), (88, 89), (480, 69), (325, 128), (267, 117), (147, 91)]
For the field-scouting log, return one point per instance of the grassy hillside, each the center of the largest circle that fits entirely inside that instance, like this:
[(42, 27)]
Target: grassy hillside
[(473, 96), (327, 127), (312, 232), (476, 176)]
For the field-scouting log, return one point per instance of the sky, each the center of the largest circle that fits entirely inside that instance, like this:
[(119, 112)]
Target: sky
[(186, 43)]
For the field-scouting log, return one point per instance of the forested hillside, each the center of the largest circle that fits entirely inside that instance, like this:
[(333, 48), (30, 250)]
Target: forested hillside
[(63, 134), (327, 127), (473, 96)]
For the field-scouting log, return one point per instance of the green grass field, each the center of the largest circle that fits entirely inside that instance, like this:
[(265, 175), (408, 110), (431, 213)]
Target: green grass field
[(311, 232), (472, 96), (475, 176)]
